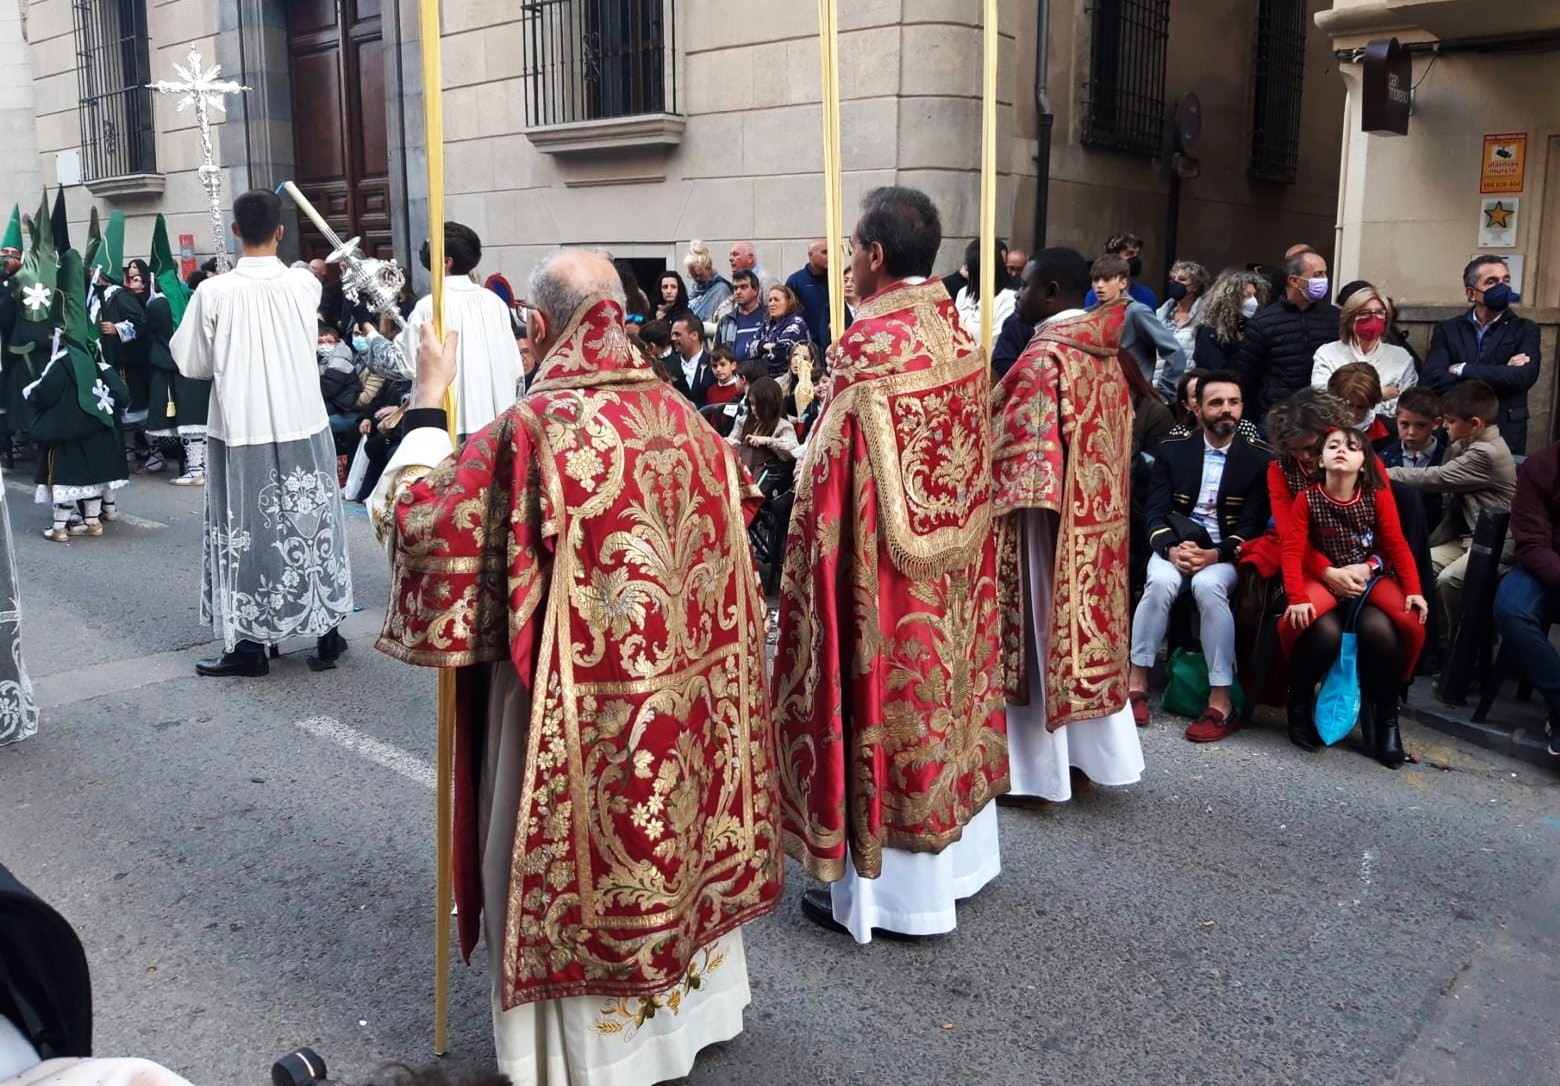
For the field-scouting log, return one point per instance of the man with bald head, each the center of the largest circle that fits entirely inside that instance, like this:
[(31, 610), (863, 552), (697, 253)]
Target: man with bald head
[(583, 563), (744, 257), (810, 283)]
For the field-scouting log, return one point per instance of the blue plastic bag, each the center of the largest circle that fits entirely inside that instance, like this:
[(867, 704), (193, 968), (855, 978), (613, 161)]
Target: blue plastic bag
[(1338, 705)]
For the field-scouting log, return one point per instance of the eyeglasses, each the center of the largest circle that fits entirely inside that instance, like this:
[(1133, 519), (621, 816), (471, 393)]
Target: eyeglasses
[(634, 318)]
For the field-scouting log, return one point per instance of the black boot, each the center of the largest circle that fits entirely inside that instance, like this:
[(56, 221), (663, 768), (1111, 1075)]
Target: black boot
[(242, 662), (327, 650), (1389, 743), (1368, 728), (1302, 729)]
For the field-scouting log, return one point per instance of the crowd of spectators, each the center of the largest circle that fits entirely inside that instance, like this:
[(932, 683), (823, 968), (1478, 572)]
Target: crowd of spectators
[(1294, 459)]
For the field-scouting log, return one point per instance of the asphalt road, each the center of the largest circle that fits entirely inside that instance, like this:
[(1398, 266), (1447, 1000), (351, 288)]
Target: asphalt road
[(250, 865)]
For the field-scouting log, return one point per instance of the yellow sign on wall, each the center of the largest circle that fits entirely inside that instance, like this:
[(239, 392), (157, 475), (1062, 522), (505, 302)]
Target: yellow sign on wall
[(1505, 162)]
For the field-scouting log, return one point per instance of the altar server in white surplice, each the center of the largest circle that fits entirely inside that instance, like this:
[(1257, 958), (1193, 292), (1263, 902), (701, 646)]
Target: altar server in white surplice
[(488, 370), (275, 562)]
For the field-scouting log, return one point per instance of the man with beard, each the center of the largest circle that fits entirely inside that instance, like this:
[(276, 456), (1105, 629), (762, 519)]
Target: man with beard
[(1209, 496), (1062, 452)]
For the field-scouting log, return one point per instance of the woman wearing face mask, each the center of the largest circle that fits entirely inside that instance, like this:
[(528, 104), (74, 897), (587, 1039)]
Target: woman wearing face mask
[(1358, 385), (1183, 307), (1234, 298), (1363, 324)]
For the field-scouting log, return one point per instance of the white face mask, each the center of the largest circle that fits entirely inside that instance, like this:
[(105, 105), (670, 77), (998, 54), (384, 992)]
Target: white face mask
[(1248, 308)]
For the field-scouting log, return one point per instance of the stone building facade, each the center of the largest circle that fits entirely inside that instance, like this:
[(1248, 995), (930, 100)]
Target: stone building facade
[(639, 124), (1485, 81)]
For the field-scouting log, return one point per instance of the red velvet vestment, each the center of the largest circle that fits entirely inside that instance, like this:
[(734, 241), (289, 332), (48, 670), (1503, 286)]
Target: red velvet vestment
[(596, 536), (1062, 420), (888, 689)]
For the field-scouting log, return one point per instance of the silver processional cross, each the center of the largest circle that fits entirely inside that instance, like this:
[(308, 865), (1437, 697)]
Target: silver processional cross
[(203, 90)]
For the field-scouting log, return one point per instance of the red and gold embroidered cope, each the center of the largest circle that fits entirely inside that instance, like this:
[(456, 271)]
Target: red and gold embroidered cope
[(888, 688), (1063, 442), (595, 536)]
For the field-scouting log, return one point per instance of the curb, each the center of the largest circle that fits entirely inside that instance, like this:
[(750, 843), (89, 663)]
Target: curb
[(1520, 743)]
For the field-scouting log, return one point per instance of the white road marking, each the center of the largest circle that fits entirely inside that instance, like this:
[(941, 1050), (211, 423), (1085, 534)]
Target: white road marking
[(31, 490), (381, 753)]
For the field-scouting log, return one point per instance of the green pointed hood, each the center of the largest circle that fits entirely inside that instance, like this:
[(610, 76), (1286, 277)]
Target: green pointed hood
[(165, 272), (93, 395), (109, 257), (13, 231), (93, 252), (34, 283), (60, 222)]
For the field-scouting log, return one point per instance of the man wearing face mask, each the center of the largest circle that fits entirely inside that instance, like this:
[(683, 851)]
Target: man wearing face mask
[(1279, 344), (1489, 343)]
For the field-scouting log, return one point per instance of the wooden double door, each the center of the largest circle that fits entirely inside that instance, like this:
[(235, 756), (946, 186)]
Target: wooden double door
[(337, 68)]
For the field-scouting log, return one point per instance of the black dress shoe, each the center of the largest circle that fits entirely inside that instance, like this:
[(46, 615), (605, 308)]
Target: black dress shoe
[(818, 906), (248, 665), (327, 650)]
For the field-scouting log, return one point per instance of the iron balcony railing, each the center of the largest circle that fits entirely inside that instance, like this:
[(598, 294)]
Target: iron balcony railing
[(589, 60), (112, 70), (1125, 91), (1280, 82)]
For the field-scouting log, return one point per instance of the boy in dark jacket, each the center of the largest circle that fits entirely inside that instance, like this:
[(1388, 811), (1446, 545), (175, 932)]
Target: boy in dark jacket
[(1420, 443)]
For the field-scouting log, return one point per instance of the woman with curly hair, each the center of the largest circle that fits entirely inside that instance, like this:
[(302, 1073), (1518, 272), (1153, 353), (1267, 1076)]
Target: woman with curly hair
[(1234, 298)]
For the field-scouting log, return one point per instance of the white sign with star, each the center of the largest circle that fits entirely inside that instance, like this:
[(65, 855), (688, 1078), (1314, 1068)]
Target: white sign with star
[(1498, 222), (37, 296)]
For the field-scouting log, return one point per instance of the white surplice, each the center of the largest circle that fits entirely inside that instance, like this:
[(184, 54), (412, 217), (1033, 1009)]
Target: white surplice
[(275, 550), (1108, 750), (590, 1040), (487, 368), (917, 893)]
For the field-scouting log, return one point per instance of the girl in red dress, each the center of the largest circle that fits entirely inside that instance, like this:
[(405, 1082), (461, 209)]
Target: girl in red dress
[(1349, 519)]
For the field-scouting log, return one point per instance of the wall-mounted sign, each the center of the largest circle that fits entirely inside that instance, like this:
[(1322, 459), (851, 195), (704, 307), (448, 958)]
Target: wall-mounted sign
[(1515, 262), (186, 255), (1505, 162), (1387, 95), (1498, 222)]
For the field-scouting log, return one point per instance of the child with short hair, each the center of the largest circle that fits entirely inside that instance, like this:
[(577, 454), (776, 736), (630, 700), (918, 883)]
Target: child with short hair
[(1359, 385), (725, 389), (1419, 442), (1478, 473), (1144, 337)]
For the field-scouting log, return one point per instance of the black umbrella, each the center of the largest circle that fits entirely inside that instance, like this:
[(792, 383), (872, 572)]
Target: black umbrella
[(45, 989)]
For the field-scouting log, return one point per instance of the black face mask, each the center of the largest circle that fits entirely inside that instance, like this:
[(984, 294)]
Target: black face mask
[(1177, 290), (1135, 267)]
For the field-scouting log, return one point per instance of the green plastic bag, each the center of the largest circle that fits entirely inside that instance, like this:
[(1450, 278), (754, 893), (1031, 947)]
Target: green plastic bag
[(1186, 694)]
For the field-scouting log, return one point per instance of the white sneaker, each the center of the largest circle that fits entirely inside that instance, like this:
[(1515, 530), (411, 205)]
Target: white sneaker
[(190, 478), (110, 513)]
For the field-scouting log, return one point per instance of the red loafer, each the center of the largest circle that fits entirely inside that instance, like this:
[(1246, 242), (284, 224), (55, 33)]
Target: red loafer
[(1212, 726), (1139, 702)]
